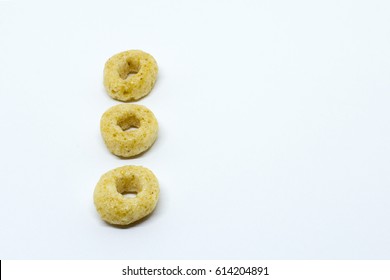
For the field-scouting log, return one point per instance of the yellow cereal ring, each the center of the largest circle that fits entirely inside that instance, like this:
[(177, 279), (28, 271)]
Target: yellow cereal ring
[(120, 85), (113, 207), (116, 120)]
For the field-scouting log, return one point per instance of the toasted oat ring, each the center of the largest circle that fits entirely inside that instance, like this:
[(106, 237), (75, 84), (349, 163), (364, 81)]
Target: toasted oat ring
[(117, 209), (116, 120), (122, 86)]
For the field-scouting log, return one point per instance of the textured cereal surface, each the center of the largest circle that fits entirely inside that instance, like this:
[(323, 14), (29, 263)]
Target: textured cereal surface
[(117, 209), (116, 120), (124, 87)]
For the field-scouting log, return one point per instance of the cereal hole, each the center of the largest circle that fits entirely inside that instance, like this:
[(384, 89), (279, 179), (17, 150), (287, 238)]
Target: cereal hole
[(128, 68), (129, 194), (128, 186), (129, 123)]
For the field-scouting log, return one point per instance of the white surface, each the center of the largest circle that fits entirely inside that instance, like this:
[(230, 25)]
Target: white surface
[(274, 139)]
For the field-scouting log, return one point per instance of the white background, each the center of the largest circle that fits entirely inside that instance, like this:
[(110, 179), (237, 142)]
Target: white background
[(274, 129)]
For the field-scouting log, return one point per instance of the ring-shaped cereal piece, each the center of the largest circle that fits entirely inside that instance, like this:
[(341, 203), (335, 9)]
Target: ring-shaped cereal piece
[(116, 122), (122, 86), (115, 208)]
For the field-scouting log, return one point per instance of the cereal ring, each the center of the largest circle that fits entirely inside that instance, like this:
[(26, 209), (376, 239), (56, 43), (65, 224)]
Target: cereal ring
[(120, 85), (116, 120), (117, 209)]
